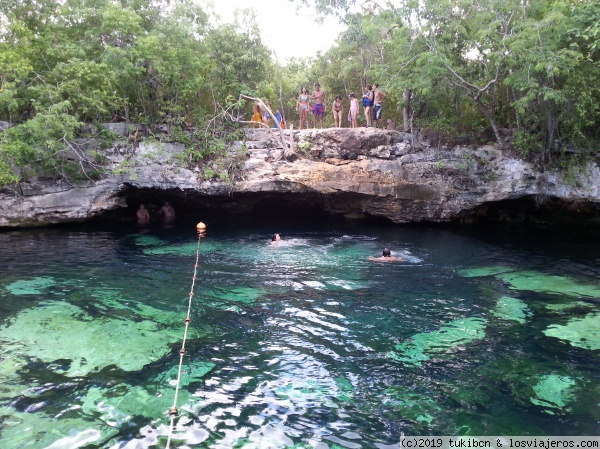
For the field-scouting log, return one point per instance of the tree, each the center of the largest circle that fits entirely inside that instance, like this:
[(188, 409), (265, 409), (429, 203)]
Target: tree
[(39, 147), (530, 66), (239, 60), (101, 60)]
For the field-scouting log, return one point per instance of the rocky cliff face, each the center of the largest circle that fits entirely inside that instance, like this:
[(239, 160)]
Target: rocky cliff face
[(353, 172)]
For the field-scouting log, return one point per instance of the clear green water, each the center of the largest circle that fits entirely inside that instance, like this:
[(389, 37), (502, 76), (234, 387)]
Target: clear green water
[(304, 345)]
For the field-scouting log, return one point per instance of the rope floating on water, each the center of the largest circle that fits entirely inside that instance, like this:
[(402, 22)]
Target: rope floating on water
[(173, 411)]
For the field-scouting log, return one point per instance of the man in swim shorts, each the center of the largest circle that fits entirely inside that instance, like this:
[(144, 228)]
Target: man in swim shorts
[(379, 96), (318, 108)]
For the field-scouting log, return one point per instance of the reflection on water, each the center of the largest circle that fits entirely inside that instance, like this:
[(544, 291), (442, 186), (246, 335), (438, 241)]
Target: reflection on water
[(302, 344)]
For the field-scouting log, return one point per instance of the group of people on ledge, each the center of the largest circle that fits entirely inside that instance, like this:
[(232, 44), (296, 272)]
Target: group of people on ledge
[(372, 100), (386, 255), (315, 102), (166, 212)]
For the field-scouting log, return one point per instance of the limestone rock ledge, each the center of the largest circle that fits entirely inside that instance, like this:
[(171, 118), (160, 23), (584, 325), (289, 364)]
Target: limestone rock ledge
[(354, 172)]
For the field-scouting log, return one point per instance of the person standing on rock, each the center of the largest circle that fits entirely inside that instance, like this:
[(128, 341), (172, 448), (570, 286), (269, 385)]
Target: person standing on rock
[(256, 115), (353, 114), (266, 116), (336, 108), (318, 109), (379, 96), (367, 100), (302, 106), (279, 123)]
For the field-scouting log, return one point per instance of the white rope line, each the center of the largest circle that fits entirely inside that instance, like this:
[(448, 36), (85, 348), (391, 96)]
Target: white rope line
[(173, 412)]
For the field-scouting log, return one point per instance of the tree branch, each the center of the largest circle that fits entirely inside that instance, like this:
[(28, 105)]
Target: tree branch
[(288, 152)]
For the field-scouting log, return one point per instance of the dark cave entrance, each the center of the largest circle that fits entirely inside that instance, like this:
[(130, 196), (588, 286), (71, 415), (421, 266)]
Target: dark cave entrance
[(304, 207)]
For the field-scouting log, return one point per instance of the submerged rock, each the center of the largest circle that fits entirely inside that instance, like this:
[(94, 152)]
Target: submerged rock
[(58, 331), (553, 391), (511, 309), (448, 339), (545, 283), (35, 286), (580, 332), (537, 282)]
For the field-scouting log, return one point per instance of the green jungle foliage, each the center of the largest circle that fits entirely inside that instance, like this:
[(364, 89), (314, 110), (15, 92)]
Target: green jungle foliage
[(523, 73)]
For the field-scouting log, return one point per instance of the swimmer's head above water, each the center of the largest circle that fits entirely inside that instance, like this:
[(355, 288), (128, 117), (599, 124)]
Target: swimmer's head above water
[(275, 238), (386, 256)]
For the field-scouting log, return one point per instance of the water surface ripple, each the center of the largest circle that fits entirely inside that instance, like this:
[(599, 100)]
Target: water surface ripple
[(305, 344)]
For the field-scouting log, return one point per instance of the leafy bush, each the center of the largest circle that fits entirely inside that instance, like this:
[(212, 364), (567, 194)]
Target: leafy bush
[(210, 148), (39, 145), (526, 144)]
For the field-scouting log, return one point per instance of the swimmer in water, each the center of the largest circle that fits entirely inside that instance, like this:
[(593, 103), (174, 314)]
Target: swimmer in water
[(386, 256), (143, 216), (276, 238), (167, 211)]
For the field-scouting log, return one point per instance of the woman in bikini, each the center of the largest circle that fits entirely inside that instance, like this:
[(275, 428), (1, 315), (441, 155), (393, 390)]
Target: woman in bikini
[(353, 110), (336, 108), (302, 106), (367, 100)]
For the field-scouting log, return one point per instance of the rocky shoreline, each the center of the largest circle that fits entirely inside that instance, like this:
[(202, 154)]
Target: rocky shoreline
[(355, 173)]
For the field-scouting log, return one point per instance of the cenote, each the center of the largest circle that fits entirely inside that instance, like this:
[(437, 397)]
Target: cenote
[(306, 344)]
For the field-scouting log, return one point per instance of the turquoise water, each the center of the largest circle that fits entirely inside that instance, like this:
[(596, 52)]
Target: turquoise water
[(306, 344)]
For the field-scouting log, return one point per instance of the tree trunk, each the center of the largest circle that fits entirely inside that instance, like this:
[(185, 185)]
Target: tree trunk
[(406, 111), (491, 120), (517, 116), (287, 151)]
